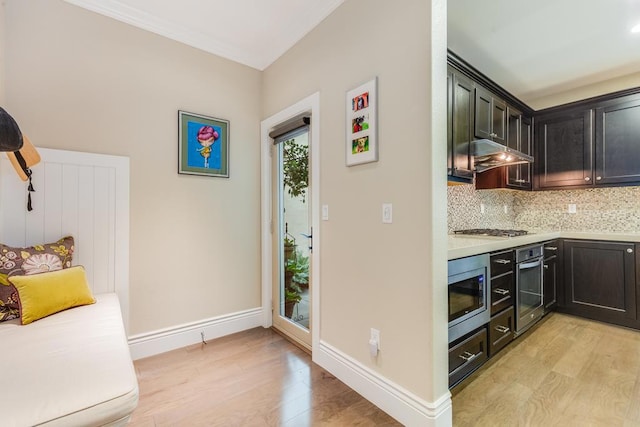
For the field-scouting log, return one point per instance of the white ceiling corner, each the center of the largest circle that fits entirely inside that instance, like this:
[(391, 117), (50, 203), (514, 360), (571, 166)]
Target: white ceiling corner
[(251, 32)]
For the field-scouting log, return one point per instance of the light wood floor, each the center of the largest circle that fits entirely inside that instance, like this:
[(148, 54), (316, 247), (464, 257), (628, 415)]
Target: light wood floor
[(567, 372), (254, 378)]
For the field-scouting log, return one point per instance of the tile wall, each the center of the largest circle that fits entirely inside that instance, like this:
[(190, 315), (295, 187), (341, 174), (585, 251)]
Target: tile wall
[(600, 210), (464, 212)]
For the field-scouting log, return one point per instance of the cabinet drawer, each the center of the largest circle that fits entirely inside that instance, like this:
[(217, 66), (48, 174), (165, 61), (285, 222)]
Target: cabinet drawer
[(501, 263), (500, 331), (551, 249), (467, 356), (502, 293)]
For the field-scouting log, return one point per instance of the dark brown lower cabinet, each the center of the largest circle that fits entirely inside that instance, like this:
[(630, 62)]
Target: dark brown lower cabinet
[(501, 331), (467, 355), (600, 281), (552, 275)]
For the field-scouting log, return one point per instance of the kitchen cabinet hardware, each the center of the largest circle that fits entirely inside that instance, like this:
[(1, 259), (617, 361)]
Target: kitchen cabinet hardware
[(586, 178), (501, 291), (502, 261), (468, 357), (546, 266), (551, 248), (629, 250), (520, 181), (502, 329), (598, 178)]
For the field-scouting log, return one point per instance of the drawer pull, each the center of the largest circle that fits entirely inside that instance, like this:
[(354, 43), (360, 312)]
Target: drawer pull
[(468, 357), (501, 291), (502, 329), (502, 261), (546, 266), (550, 248)]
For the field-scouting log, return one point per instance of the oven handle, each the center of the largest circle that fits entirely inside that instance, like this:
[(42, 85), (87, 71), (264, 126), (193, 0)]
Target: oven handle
[(528, 265)]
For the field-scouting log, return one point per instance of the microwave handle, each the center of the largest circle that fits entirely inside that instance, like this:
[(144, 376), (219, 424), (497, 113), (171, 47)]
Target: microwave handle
[(528, 265)]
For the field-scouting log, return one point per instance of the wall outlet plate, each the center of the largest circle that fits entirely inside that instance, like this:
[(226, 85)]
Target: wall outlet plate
[(387, 213), (572, 208)]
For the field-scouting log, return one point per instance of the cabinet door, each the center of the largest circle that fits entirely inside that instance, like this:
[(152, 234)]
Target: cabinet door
[(564, 156), (618, 143), (600, 281), (550, 282), (483, 120), (526, 146), (462, 110), (514, 141), (490, 116), (499, 120)]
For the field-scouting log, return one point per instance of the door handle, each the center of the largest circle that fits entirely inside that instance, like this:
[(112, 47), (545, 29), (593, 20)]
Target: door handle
[(528, 265), (310, 237)]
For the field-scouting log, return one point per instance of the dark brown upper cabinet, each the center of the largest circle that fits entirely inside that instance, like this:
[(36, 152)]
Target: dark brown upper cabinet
[(490, 116), (564, 155), (618, 142), (519, 137), (460, 125)]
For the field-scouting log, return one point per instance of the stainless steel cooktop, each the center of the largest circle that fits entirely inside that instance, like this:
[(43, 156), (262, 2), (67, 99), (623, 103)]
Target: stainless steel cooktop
[(493, 232)]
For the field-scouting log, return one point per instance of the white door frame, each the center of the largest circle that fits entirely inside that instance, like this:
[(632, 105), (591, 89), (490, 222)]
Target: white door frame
[(308, 104)]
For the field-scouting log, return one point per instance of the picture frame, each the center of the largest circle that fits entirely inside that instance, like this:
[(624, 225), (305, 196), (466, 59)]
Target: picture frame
[(361, 144), (203, 145)]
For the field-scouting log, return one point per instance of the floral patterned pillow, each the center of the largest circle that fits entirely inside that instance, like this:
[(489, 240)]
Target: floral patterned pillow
[(25, 261)]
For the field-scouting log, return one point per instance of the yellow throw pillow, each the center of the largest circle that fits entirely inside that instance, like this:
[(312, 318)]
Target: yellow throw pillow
[(41, 295)]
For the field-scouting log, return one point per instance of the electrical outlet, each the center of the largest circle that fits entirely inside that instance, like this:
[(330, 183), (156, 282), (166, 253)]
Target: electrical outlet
[(506, 209), (482, 208), (572, 208)]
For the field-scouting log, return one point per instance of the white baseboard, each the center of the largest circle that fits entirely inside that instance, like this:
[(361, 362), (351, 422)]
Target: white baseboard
[(396, 401), (163, 340)]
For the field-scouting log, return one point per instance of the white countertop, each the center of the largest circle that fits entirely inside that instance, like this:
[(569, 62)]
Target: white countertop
[(463, 246)]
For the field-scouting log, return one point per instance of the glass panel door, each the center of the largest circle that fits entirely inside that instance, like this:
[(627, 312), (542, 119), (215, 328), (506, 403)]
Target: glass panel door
[(293, 235)]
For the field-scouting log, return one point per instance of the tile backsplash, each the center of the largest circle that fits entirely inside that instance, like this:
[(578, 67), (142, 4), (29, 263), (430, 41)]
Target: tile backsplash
[(615, 209), (464, 208)]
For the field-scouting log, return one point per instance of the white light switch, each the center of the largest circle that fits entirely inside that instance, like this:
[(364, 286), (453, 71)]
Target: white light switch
[(387, 213), (572, 208), (325, 212)]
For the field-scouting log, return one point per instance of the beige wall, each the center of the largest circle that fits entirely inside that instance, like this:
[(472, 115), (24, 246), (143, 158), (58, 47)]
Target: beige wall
[(587, 91), (377, 275), (2, 49), (80, 81)]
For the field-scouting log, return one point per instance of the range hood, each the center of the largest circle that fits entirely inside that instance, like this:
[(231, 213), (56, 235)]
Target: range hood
[(489, 154)]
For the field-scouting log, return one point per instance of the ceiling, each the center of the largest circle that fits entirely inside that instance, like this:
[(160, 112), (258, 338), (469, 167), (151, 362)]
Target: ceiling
[(251, 32), (536, 48), (532, 48)]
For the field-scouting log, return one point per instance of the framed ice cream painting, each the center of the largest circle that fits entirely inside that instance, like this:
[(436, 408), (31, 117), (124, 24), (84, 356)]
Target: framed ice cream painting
[(362, 141), (203, 145)]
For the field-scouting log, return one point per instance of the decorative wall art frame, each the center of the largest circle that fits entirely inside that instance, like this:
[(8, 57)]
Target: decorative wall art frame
[(203, 147), (362, 124)]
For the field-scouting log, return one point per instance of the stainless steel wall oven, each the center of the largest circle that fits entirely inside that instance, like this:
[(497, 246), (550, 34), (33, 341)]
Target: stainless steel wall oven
[(529, 295), (468, 296)]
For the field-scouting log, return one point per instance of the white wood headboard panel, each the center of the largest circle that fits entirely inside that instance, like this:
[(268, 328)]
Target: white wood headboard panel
[(80, 194)]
